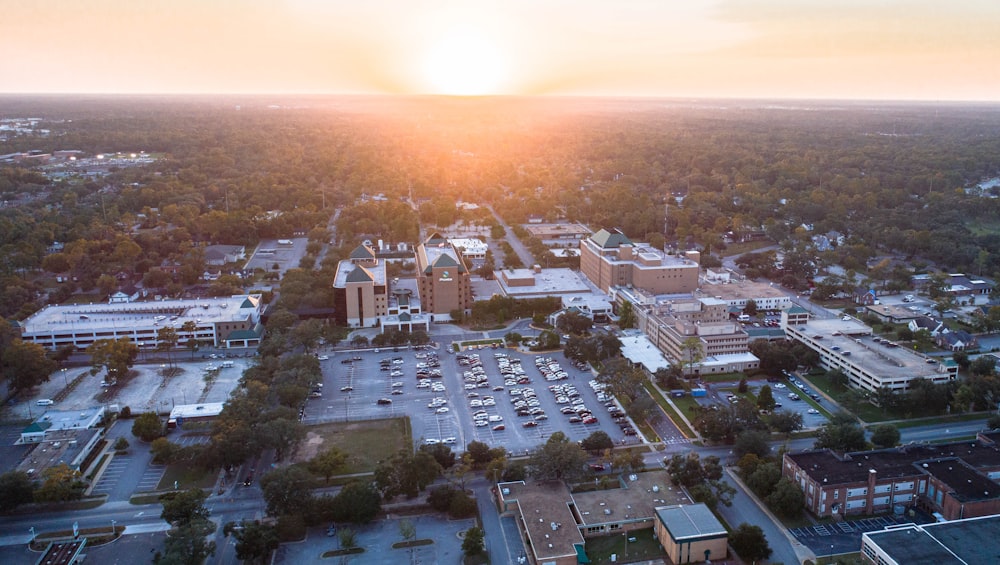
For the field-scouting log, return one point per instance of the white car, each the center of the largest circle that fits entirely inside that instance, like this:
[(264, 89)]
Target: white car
[(449, 441), (431, 441), (813, 411), (324, 357), (482, 423), (397, 384), (779, 385), (442, 410), (476, 403)]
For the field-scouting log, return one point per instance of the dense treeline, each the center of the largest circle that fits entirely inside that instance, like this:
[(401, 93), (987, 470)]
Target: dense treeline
[(234, 170)]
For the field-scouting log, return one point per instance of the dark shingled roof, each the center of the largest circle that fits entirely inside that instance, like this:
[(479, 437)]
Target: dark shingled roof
[(362, 252)]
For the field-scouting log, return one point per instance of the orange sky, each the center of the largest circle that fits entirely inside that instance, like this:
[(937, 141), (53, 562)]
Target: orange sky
[(862, 49)]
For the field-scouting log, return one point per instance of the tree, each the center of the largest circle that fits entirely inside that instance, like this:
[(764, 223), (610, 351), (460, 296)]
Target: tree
[(147, 426), (750, 543), (837, 378), (359, 341), (441, 453), (358, 502), (572, 322), (186, 545), (473, 542), (885, 435), (558, 459), (787, 498), (406, 473), (163, 450), (166, 341), (841, 433), (626, 316), (25, 365), (307, 334), (185, 507), (751, 308), (764, 478), (60, 483), (190, 327), (785, 421), (597, 441), (742, 386), (121, 445), (281, 435), (16, 488), (693, 352), (255, 541), (286, 491), (983, 366), (765, 399), (752, 441), (347, 537), (326, 463), (116, 355)]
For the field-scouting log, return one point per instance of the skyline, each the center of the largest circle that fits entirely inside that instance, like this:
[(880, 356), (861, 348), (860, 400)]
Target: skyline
[(893, 50)]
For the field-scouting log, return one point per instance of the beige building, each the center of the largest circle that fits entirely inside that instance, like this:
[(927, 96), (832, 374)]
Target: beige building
[(610, 259), (675, 325), (360, 290), (691, 533), (442, 278)]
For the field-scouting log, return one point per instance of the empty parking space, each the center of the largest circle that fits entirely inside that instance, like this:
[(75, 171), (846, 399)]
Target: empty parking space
[(151, 477), (113, 472)]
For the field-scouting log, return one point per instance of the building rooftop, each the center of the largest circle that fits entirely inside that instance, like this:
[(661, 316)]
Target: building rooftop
[(692, 521), (637, 499), (71, 419), (825, 466), (203, 410), (742, 290), (558, 231), (471, 245), (591, 302), (966, 483), (548, 282), (548, 520), (640, 351), (348, 272), (879, 357), (609, 239), (139, 315), (59, 447), (959, 542)]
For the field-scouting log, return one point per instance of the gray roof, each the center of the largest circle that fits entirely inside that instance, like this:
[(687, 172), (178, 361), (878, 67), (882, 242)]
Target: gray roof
[(359, 274), (362, 252), (608, 240), (947, 543), (689, 521)]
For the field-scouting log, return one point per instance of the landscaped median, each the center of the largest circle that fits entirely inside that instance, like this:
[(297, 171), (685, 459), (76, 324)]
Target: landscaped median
[(669, 409)]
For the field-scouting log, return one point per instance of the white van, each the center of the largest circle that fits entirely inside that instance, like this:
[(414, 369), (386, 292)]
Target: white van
[(44, 402), (743, 317)]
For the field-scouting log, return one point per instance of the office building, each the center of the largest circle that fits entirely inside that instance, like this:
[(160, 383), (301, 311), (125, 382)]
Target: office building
[(610, 259), (442, 279), (972, 541), (359, 289)]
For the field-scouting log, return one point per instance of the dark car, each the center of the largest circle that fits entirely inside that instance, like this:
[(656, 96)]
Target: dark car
[(596, 467), (248, 481), (383, 401)]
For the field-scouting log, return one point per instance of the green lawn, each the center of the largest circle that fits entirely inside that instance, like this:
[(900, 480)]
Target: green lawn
[(669, 410), (188, 475), (645, 547), (83, 299), (366, 442)]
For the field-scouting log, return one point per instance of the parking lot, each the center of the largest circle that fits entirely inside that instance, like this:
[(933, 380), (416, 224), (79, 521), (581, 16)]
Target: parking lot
[(811, 418), (454, 393), (845, 536)]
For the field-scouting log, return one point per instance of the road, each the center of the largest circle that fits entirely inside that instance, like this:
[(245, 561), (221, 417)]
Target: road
[(522, 252)]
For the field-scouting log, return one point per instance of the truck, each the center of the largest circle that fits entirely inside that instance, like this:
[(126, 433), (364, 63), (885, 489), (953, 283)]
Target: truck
[(698, 392)]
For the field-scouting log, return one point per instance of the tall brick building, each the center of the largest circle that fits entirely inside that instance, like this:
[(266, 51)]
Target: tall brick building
[(610, 259), (442, 278)]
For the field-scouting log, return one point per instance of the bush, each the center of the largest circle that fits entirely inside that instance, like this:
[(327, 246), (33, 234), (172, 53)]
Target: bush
[(147, 426), (125, 413)]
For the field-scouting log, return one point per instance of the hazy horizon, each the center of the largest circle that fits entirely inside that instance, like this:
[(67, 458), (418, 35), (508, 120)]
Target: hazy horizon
[(893, 50)]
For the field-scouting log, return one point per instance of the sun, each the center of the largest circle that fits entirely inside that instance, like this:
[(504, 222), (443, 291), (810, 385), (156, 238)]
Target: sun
[(464, 63)]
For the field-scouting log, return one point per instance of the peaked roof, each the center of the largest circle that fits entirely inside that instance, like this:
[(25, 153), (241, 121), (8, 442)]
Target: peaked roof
[(434, 237), (797, 310), (362, 252), (249, 302), (359, 274), (608, 240)]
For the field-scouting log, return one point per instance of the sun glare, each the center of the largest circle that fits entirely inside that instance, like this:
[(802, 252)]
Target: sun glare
[(464, 64)]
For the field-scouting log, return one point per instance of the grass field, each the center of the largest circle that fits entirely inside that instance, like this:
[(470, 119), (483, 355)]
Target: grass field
[(187, 476), (645, 547), (366, 442)]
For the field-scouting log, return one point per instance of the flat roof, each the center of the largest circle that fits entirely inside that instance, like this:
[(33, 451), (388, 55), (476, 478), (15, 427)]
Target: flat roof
[(640, 351), (71, 419), (204, 410), (548, 520), (549, 282), (691, 521), (139, 315), (742, 290), (966, 483), (875, 357), (591, 302), (59, 447), (826, 467), (470, 244), (639, 496), (958, 542), (549, 231)]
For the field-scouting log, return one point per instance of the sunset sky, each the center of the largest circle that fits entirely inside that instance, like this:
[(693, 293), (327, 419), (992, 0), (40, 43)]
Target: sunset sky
[(858, 49)]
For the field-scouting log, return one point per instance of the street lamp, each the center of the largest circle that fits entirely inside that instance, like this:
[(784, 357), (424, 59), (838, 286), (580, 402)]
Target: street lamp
[(65, 380), (32, 531), (112, 529)]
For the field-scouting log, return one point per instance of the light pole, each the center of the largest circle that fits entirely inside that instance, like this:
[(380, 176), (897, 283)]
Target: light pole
[(32, 531), (65, 380), (113, 529)]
